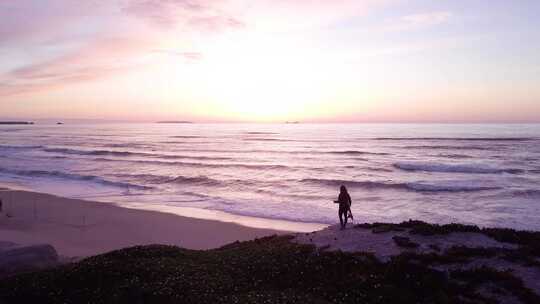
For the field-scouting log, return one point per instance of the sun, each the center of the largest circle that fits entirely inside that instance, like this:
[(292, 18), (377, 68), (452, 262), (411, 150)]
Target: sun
[(256, 79), (263, 83)]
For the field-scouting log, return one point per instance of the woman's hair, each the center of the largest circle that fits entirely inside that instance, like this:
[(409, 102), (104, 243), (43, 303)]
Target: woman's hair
[(343, 189)]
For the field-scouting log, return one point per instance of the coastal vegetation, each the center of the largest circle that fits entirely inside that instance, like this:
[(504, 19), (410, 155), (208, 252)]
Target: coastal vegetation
[(277, 270)]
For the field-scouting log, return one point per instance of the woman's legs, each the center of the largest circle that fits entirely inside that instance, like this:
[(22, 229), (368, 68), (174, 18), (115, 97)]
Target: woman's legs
[(343, 217)]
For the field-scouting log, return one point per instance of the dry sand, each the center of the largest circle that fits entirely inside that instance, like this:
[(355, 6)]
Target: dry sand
[(79, 228)]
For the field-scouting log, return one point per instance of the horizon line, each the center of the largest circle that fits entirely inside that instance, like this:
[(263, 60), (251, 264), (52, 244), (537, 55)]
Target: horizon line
[(91, 120)]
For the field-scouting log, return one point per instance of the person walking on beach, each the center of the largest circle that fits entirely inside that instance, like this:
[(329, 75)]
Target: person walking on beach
[(345, 202)]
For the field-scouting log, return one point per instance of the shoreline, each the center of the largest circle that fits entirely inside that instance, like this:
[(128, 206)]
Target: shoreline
[(80, 228), (191, 212)]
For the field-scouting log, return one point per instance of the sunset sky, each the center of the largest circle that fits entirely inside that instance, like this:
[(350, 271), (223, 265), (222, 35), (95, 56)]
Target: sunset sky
[(271, 60)]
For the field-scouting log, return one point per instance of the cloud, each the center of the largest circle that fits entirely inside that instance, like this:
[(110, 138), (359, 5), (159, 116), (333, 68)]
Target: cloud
[(66, 41), (96, 60), (216, 23), (427, 19), (201, 15), (293, 15), (61, 42), (417, 21), (188, 56), (271, 15), (34, 21)]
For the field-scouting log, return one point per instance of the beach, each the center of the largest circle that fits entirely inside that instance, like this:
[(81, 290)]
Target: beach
[(77, 228)]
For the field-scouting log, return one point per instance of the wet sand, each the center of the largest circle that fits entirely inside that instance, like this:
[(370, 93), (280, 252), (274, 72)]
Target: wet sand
[(78, 228)]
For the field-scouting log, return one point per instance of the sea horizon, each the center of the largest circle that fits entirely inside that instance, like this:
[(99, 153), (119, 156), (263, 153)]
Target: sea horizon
[(48, 121)]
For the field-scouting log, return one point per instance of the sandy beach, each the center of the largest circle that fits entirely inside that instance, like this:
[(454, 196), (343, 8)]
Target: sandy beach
[(79, 228)]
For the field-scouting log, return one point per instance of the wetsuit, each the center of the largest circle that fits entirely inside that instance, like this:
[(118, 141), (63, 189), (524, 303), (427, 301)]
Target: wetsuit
[(345, 202)]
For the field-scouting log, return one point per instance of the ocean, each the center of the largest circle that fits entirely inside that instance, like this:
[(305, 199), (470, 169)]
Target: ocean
[(487, 175)]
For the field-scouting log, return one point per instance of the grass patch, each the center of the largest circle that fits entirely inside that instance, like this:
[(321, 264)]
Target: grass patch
[(453, 255), (475, 278)]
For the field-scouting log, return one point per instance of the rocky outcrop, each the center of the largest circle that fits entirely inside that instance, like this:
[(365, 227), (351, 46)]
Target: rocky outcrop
[(16, 123), (18, 258)]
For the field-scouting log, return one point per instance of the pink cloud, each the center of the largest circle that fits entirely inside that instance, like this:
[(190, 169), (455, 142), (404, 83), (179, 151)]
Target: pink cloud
[(94, 39), (188, 56), (108, 40), (192, 55), (419, 21), (427, 19), (161, 12), (202, 15), (290, 15), (99, 59), (215, 23), (34, 21)]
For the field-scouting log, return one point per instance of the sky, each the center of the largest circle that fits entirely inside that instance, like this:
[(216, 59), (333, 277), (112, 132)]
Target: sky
[(271, 60)]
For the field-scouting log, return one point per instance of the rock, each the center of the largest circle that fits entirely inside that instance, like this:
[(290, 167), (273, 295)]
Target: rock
[(405, 242), (17, 258), (382, 229), (4, 245)]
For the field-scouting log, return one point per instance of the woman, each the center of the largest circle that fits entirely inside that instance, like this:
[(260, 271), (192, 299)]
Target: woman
[(344, 201)]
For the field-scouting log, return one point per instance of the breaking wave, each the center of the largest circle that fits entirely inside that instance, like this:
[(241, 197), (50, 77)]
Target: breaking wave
[(445, 147), (185, 136), (199, 165), (92, 152), (458, 138), (527, 193), (73, 177), (447, 186), (10, 147), (160, 179), (355, 152), (355, 184), (265, 139), (451, 168), (128, 154), (459, 186)]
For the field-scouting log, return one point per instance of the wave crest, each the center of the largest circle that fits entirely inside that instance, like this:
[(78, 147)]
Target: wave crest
[(453, 168), (355, 152), (446, 186), (72, 176), (457, 138), (92, 152), (23, 147)]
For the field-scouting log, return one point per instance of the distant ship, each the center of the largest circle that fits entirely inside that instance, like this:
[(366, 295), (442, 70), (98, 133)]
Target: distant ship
[(292, 122), (59, 123)]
